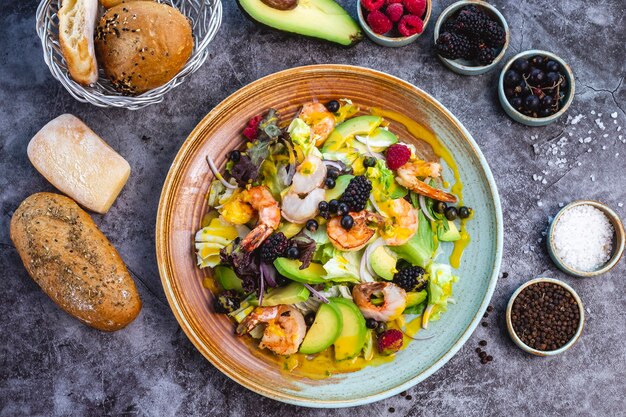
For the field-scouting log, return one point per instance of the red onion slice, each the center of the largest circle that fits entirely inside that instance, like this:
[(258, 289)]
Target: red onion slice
[(217, 174), (317, 294)]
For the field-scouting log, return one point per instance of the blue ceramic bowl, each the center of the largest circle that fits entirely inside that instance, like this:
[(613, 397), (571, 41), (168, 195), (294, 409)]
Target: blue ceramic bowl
[(183, 204), (618, 240), (536, 121), (462, 66), (524, 346), (393, 42)]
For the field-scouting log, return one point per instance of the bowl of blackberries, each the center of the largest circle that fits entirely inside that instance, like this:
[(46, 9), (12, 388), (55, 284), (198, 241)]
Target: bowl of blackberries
[(393, 22), (536, 87), (471, 37)]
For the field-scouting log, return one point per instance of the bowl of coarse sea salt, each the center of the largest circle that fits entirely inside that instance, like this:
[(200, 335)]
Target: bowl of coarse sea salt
[(586, 239)]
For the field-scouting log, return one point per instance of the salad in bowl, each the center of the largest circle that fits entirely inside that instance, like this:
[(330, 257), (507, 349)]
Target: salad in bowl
[(324, 236)]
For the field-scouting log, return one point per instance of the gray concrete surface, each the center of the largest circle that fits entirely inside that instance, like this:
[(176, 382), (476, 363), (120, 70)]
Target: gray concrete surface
[(51, 365)]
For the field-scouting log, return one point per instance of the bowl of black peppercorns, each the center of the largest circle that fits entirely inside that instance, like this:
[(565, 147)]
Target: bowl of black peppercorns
[(545, 317), (471, 37), (536, 87)]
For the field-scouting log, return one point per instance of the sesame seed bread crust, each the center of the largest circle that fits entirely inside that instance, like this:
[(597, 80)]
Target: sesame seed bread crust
[(142, 45), (73, 262)]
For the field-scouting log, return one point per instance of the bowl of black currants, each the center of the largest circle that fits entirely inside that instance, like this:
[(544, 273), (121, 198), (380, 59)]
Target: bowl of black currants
[(536, 87)]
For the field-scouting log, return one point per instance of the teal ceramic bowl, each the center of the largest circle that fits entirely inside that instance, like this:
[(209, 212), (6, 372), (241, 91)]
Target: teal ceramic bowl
[(536, 121), (619, 240), (183, 204), (524, 346), (393, 42), (462, 66)]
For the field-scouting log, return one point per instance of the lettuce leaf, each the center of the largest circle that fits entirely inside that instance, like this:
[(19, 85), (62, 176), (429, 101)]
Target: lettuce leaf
[(439, 291), (343, 267), (420, 249), (300, 134)]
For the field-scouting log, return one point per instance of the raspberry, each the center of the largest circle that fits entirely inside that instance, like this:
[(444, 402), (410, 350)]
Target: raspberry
[(393, 1), (379, 23), (252, 129), (390, 341), (357, 193), (397, 155), (410, 25), (394, 11), (410, 279), (416, 7), (372, 5)]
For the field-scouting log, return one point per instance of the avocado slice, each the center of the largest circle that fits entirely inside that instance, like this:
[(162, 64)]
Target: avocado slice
[(227, 278), (448, 232), (341, 183), (292, 293), (324, 331), (414, 298), (361, 125), (383, 263), (380, 138), (290, 268), (323, 19), (352, 338)]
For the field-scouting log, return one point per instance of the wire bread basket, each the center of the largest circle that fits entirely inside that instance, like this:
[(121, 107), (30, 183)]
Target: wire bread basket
[(205, 17)]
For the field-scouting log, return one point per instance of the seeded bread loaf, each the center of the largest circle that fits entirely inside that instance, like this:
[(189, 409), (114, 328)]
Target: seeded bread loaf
[(142, 45), (110, 3), (73, 262)]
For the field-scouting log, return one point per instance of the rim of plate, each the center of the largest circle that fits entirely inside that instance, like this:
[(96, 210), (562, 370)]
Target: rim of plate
[(163, 261)]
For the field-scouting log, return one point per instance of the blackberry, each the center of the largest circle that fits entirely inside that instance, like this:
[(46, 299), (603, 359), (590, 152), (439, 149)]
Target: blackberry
[(273, 247), (411, 278), (357, 193), (452, 46), (486, 55), (227, 302), (494, 35), (471, 23)]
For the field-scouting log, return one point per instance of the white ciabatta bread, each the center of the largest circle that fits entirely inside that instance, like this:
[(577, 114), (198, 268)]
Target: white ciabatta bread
[(73, 262), (77, 162), (110, 3), (142, 45), (77, 21)]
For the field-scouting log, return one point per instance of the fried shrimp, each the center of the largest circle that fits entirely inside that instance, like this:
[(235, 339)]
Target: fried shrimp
[(394, 300), (401, 222), (284, 328), (358, 235), (408, 177), (261, 200), (322, 122), (309, 175)]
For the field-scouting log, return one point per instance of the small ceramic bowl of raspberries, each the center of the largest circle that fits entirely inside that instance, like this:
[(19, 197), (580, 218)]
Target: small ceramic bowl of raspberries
[(393, 22), (471, 37), (536, 87)]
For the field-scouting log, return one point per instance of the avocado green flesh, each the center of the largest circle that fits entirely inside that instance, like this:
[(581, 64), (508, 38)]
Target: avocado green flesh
[(324, 19), (352, 338), (227, 278), (414, 298), (324, 331), (380, 138), (383, 263), (293, 293), (290, 268), (340, 186), (450, 235), (361, 125)]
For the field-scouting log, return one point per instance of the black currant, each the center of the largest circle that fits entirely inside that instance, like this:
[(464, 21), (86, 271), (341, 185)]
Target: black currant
[(531, 103), (329, 183), (511, 78), (546, 102), (521, 65), (517, 103), (552, 66), (333, 205), (537, 61), (235, 156), (371, 323), (323, 206), (347, 222), (440, 207), (332, 173), (293, 252), (342, 209), (465, 212), (312, 225), (451, 213), (333, 106), (537, 76)]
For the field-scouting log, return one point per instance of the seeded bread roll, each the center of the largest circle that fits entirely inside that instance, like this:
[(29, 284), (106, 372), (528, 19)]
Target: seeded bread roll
[(73, 262), (142, 45), (110, 3)]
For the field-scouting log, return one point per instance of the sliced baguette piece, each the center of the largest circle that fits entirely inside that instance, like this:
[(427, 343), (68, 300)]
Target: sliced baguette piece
[(77, 21), (67, 255), (78, 162)]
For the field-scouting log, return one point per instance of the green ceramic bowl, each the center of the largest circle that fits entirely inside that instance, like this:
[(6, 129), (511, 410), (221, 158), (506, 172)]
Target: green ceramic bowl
[(183, 204), (393, 42), (536, 121), (524, 346), (619, 240), (462, 66)]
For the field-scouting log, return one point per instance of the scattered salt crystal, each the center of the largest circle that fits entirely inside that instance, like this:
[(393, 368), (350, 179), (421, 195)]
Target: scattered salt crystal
[(561, 204), (544, 182), (570, 133), (587, 139), (599, 114), (603, 147), (599, 123), (579, 163), (589, 131), (620, 204), (619, 128), (593, 112), (589, 150), (577, 119), (616, 154), (593, 178), (540, 203), (614, 115), (606, 135), (583, 238)]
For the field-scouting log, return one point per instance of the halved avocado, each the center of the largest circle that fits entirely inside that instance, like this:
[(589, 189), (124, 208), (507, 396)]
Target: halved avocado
[(323, 19), (292, 293), (361, 125), (290, 268), (227, 278), (379, 139), (341, 183), (324, 331), (352, 338)]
